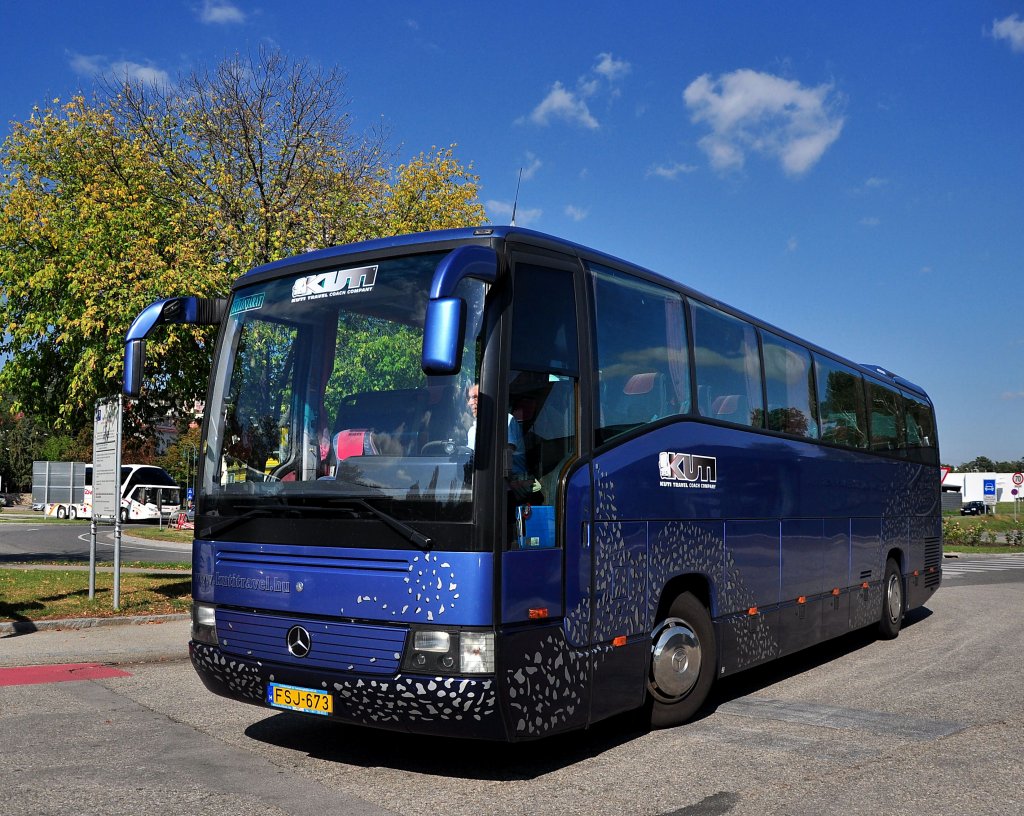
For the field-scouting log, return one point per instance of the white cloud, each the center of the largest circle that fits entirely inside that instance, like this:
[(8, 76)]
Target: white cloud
[(570, 105), (86, 64), (564, 104), (221, 12), (533, 164), (753, 112), (870, 221), (94, 66), (500, 212), (1012, 395), (670, 171), (611, 68), (792, 245), (1010, 29), (576, 213), (874, 182)]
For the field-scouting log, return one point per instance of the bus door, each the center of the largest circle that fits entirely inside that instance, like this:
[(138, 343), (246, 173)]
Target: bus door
[(542, 415)]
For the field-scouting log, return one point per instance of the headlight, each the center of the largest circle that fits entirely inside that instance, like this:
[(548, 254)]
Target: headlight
[(204, 623), (432, 642), (440, 651)]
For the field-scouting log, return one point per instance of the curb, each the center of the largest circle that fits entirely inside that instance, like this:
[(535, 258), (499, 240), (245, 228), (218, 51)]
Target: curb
[(28, 626)]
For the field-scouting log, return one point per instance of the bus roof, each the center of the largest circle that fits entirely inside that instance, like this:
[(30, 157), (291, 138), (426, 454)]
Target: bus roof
[(490, 235)]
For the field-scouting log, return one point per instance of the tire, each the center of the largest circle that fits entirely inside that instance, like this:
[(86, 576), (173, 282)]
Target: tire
[(72, 513), (124, 515), (683, 661), (894, 601), (62, 511)]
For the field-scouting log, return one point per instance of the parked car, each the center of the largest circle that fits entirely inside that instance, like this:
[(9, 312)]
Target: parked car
[(38, 506), (973, 508)]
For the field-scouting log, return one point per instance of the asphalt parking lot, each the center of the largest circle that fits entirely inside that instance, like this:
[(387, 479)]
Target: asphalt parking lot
[(928, 723)]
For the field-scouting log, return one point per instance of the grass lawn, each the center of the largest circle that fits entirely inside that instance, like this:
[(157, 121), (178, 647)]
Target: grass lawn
[(28, 593)]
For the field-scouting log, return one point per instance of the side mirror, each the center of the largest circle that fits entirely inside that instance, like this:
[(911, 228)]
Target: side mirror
[(194, 310), (444, 327), (444, 336)]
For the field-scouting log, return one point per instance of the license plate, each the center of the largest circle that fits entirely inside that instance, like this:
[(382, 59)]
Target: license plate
[(295, 698)]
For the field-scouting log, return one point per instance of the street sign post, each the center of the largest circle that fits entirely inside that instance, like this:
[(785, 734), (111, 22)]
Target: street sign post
[(990, 494), (106, 484)]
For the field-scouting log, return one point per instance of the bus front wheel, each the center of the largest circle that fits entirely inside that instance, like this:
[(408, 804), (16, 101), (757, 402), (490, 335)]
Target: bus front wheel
[(892, 601), (683, 662)]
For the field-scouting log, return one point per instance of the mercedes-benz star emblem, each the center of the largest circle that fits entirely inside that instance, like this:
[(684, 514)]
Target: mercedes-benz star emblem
[(298, 640)]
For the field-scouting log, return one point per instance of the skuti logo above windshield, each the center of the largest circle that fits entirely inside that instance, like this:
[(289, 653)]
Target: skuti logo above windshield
[(687, 470), (332, 284)]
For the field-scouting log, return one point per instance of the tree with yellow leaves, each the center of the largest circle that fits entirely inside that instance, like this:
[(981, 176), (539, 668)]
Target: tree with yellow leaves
[(152, 192)]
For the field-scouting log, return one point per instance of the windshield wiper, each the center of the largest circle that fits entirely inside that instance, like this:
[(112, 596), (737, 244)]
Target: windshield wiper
[(228, 523), (415, 537)]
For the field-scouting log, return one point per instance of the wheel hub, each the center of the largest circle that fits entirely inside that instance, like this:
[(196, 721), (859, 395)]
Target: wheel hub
[(675, 660)]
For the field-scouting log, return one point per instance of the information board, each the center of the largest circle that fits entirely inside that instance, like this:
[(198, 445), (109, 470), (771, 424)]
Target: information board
[(106, 459)]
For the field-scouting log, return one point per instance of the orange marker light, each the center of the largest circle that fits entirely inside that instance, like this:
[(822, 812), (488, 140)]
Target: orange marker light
[(802, 599), (619, 641), (835, 591), (538, 614), (752, 610), (865, 585)]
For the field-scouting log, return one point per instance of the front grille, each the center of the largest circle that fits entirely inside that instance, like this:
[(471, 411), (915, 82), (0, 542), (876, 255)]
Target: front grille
[(267, 559), (342, 647)]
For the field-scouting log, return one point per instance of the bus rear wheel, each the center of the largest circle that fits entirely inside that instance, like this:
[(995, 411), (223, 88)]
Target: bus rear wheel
[(683, 660), (893, 602), (62, 511)]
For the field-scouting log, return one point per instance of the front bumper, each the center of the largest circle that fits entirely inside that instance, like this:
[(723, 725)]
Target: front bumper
[(443, 706)]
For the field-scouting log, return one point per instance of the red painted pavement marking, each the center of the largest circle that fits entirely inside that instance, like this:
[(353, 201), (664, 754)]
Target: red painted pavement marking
[(34, 675)]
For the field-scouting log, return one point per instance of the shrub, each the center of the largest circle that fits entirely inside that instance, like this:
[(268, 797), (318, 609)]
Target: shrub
[(956, 535)]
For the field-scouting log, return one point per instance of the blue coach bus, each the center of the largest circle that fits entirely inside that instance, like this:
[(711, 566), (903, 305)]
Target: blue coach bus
[(493, 484)]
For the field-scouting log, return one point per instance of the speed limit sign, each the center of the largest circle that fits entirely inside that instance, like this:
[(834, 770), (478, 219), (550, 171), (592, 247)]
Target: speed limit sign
[(1018, 479)]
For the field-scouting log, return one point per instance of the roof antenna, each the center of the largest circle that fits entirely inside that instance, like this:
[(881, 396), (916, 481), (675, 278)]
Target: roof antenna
[(515, 203)]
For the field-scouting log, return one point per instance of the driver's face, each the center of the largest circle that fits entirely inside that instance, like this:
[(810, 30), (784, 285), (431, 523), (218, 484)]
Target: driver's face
[(473, 397)]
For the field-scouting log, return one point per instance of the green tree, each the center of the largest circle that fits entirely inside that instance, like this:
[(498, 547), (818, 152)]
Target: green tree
[(22, 441), (90, 233), (181, 458), (155, 192), (979, 464)]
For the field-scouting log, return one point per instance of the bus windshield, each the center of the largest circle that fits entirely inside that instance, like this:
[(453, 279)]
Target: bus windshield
[(319, 404)]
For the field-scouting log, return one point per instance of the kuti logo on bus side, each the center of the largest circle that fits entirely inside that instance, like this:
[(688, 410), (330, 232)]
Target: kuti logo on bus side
[(687, 470), (332, 284)]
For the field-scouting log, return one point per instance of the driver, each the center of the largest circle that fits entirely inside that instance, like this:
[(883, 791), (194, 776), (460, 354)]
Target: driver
[(515, 434)]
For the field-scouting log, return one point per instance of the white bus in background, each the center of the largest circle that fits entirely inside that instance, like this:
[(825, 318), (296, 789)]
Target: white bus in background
[(147, 493)]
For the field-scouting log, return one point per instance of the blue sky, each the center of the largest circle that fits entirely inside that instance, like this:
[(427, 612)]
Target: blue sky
[(853, 173)]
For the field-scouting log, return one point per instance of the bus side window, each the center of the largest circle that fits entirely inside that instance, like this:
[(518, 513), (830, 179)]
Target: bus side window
[(728, 367), (790, 387), (841, 404), (886, 418), (642, 358), (920, 434)]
